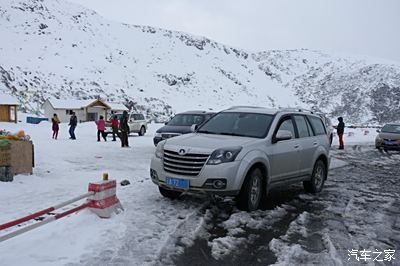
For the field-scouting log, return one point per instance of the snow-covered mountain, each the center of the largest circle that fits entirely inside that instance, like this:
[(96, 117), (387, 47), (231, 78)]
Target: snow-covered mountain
[(53, 48), (360, 89)]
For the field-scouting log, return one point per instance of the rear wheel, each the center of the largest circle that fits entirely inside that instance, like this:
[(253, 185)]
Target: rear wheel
[(171, 194), (251, 193), (142, 131), (318, 178)]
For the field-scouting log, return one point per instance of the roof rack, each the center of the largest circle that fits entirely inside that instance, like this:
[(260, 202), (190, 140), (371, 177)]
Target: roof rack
[(298, 110), (244, 106)]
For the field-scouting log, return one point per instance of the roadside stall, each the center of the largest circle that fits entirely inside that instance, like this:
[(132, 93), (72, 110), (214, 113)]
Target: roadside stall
[(16, 155)]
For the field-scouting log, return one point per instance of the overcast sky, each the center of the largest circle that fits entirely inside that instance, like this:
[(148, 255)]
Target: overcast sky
[(366, 27)]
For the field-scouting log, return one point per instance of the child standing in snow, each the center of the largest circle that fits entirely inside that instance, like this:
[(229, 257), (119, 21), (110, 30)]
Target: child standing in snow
[(101, 127), (55, 121)]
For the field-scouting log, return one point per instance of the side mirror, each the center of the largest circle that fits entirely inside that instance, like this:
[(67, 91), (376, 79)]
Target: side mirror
[(283, 135), (193, 128), (166, 123), (378, 130)]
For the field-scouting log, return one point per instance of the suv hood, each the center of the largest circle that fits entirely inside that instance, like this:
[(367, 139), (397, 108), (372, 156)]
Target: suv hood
[(206, 142), (174, 129), (385, 135)]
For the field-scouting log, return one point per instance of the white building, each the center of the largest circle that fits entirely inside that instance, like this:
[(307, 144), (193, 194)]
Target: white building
[(117, 108), (85, 110)]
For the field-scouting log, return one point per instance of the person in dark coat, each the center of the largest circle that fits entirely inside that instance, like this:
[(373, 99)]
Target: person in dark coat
[(73, 122), (124, 127), (340, 132), (114, 125), (55, 127)]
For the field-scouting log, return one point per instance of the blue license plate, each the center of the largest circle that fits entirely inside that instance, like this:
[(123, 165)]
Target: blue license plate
[(177, 182), (389, 142)]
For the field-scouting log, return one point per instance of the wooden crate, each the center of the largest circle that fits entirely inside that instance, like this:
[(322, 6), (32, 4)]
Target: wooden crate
[(5, 157), (22, 157)]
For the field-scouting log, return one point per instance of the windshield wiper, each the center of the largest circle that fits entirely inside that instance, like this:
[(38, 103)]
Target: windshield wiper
[(206, 132), (231, 134)]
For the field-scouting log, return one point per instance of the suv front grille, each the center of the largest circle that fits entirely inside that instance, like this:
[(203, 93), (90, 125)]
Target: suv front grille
[(189, 164)]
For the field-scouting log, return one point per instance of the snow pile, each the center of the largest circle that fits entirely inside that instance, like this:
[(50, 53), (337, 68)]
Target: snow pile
[(235, 227)]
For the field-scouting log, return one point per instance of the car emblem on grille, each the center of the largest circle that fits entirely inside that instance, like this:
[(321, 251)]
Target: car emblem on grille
[(182, 152)]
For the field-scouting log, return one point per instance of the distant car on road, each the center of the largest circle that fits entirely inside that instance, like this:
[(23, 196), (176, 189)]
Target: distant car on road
[(136, 121), (181, 124), (388, 137)]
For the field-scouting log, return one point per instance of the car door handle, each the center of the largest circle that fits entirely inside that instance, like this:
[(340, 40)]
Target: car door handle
[(296, 146), (315, 143)]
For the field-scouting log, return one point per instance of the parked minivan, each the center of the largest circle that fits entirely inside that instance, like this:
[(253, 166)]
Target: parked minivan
[(244, 152)]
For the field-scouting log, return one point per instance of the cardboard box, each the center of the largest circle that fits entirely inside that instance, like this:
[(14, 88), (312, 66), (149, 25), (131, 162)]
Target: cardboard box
[(22, 157)]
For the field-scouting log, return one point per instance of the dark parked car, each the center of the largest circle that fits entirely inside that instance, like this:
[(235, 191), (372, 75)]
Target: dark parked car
[(181, 124), (389, 137)]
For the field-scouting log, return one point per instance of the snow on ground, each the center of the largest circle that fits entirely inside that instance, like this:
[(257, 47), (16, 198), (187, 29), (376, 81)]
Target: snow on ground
[(148, 229), (63, 170)]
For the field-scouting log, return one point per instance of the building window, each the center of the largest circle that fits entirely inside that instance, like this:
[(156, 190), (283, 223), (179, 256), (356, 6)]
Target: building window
[(12, 114), (68, 112)]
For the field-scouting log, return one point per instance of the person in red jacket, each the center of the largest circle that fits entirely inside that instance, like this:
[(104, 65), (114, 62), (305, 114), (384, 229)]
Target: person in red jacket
[(114, 125), (101, 127), (55, 121)]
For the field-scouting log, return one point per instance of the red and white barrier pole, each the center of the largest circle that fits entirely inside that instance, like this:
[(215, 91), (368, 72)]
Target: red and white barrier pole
[(42, 212), (102, 200), (45, 221)]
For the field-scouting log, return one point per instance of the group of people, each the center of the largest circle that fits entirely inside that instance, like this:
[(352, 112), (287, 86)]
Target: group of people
[(119, 127)]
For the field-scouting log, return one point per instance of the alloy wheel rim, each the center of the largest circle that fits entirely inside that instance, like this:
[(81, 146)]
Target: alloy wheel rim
[(255, 191), (319, 176)]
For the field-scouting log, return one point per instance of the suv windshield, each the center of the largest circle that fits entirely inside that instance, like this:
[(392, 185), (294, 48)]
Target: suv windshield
[(391, 129), (186, 120), (238, 124)]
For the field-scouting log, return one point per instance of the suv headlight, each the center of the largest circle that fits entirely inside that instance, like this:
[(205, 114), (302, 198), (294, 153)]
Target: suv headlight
[(157, 135), (224, 155), (160, 150)]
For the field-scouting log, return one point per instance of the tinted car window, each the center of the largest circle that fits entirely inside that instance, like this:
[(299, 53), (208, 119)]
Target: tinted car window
[(391, 129), (317, 125), (186, 120), (140, 117), (301, 126), (287, 124), (238, 124), (310, 130)]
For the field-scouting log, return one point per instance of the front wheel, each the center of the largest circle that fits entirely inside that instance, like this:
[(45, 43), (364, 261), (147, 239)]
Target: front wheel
[(251, 193), (318, 178), (171, 194), (142, 131)]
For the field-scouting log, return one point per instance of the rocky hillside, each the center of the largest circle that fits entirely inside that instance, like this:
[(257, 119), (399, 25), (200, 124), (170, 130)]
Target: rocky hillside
[(53, 48), (361, 90)]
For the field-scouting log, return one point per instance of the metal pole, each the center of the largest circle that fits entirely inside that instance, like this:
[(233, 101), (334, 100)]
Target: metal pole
[(45, 221), (42, 212)]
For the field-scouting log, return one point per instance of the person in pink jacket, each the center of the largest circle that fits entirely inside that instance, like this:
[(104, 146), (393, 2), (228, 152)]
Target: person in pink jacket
[(101, 127)]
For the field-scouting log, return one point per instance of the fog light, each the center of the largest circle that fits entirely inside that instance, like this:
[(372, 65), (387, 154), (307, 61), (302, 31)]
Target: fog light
[(219, 183), (153, 174)]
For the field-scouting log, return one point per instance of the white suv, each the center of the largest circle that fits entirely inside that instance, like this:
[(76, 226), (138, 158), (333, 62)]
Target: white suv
[(136, 121), (244, 152)]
